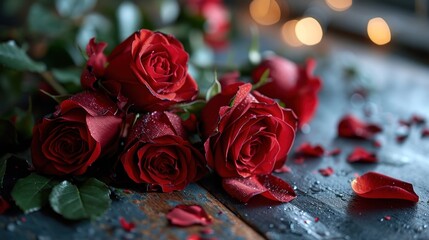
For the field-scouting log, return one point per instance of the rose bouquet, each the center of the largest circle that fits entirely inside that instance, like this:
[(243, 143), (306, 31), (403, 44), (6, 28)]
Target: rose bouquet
[(140, 122)]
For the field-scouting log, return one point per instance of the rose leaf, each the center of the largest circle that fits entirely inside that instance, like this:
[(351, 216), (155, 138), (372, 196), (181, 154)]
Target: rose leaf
[(32, 192), (89, 200), (214, 89), (14, 57)]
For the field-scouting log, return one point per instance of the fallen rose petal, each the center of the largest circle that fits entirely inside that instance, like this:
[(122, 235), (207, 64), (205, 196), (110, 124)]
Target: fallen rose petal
[(299, 160), (360, 154), (207, 231), (376, 185), (308, 150), (417, 119), (376, 144), (283, 169), (268, 186), (198, 237), (127, 226), (388, 218), (352, 127), (425, 132), (188, 215), (334, 152), (316, 219), (401, 138), (326, 171)]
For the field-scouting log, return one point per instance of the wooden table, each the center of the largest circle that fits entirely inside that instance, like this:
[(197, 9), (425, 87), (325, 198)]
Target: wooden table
[(401, 88)]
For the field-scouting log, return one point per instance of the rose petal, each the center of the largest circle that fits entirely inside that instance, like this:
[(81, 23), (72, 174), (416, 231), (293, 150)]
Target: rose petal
[(352, 127), (198, 237), (334, 152), (268, 186), (326, 171), (387, 218), (376, 185), (360, 154), (127, 226), (376, 143), (425, 132), (417, 119), (308, 150), (187, 215), (283, 169)]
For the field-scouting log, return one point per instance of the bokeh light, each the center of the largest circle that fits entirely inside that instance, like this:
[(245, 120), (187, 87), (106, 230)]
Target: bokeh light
[(339, 5), (379, 31), (289, 35), (309, 31), (265, 12)]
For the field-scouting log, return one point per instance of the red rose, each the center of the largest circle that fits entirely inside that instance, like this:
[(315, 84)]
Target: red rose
[(247, 133), (150, 69), (295, 86), (158, 153), (217, 19), (84, 128)]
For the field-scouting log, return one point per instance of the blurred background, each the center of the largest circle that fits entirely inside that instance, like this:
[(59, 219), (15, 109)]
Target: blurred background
[(221, 35)]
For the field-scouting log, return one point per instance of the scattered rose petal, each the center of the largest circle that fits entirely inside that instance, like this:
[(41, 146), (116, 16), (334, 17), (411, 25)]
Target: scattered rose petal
[(198, 237), (207, 231), (405, 123), (268, 186), (417, 119), (283, 169), (401, 138), (316, 219), (299, 160), (127, 226), (425, 132), (326, 171), (187, 215), (308, 150), (4, 205), (127, 191), (360, 154), (376, 185), (334, 152), (376, 144), (352, 127), (387, 218)]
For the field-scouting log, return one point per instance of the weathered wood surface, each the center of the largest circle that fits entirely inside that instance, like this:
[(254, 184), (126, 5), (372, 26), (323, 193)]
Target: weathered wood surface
[(146, 210), (401, 88)]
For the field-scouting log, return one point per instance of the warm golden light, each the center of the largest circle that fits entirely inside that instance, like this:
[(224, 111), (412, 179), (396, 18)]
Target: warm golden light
[(339, 5), (265, 12), (378, 31), (289, 35), (308, 31)]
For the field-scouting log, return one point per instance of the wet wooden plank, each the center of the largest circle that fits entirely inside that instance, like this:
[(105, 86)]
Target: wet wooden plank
[(401, 89), (146, 210)]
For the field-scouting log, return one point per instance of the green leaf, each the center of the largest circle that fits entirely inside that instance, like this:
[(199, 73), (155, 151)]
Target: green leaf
[(89, 200), (65, 76), (24, 121), (263, 80), (74, 8), (192, 107), (14, 57), (3, 165), (214, 89), (43, 21), (32, 192)]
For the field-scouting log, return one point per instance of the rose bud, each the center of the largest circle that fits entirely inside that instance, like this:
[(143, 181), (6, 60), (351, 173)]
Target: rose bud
[(246, 133), (84, 128), (95, 66), (295, 86), (158, 153), (150, 70)]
